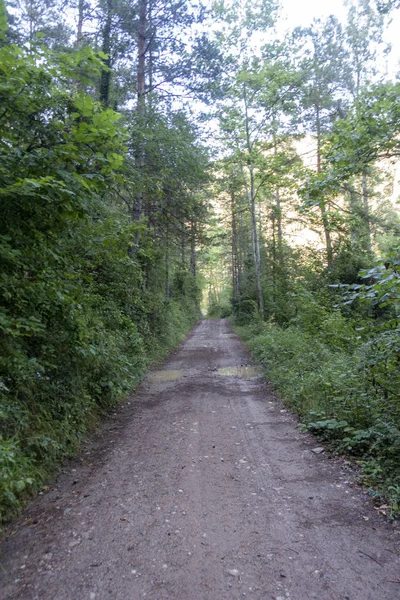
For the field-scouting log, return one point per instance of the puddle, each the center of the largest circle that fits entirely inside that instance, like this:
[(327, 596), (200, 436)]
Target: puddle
[(243, 372), (229, 335), (197, 346), (163, 376)]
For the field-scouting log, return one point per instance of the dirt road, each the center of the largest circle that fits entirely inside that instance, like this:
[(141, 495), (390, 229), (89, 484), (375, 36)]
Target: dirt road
[(202, 488)]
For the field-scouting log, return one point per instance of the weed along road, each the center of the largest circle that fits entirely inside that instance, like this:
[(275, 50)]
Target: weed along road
[(201, 487)]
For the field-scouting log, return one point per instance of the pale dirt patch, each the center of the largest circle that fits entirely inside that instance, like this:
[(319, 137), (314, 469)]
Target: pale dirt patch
[(244, 372), (163, 376), (202, 488)]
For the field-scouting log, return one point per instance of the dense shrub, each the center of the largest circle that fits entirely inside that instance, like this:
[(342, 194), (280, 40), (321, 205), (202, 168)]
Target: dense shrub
[(219, 310), (90, 334), (79, 320), (344, 386)]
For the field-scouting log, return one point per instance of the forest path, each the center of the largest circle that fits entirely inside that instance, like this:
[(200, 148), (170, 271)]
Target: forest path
[(202, 488)]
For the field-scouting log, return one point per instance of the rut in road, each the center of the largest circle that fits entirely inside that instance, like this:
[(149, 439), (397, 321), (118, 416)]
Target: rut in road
[(201, 487)]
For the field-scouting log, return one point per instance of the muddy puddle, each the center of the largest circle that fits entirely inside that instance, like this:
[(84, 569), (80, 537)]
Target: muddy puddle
[(244, 372), (197, 346), (163, 376)]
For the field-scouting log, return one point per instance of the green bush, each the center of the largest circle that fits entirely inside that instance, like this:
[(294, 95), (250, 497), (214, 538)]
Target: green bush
[(342, 387), (17, 474), (219, 311), (79, 321)]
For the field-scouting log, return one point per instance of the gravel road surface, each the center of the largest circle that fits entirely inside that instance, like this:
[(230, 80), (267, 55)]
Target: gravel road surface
[(201, 487)]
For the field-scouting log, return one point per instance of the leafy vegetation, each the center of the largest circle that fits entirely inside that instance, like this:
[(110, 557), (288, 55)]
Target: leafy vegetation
[(90, 291), (339, 370), (307, 242), (336, 394), (109, 247)]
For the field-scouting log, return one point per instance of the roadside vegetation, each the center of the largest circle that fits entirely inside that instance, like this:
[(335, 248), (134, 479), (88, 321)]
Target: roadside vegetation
[(98, 276), (152, 152), (305, 255), (337, 367)]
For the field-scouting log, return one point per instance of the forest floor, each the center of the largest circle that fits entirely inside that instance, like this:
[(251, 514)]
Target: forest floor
[(201, 487)]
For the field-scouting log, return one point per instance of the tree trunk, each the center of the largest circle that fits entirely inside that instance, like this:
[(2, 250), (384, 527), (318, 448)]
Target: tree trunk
[(256, 244), (183, 249), (105, 77), (140, 107), (79, 30), (324, 212), (354, 209), (150, 52), (235, 253), (278, 214), (193, 256), (274, 258), (366, 216), (252, 201)]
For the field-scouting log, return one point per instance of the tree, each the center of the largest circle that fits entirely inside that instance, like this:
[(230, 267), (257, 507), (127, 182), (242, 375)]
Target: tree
[(368, 134), (43, 18), (364, 24), (79, 316), (324, 72)]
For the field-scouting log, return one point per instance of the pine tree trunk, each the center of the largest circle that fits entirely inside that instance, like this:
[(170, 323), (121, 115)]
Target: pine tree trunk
[(183, 247), (252, 201), (256, 244), (353, 208), (278, 216), (105, 78), (140, 108), (366, 215), (193, 255), (235, 254), (324, 212), (274, 258), (79, 30)]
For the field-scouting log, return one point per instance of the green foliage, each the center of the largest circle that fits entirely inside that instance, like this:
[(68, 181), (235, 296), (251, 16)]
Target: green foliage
[(369, 133), (16, 474), (342, 379), (3, 20), (383, 285), (81, 315), (219, 311)]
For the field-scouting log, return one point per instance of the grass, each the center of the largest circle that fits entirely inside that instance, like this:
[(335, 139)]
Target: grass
[(329, 385)]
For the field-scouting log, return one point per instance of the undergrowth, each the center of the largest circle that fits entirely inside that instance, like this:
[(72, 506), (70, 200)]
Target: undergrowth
[(341, 391), (89, 295), (46, 414)]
